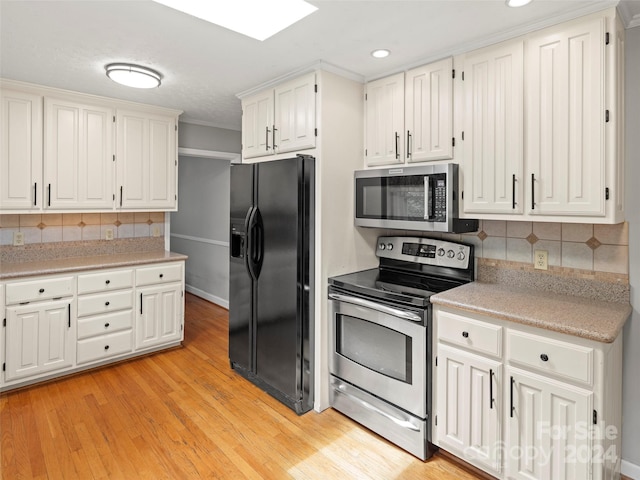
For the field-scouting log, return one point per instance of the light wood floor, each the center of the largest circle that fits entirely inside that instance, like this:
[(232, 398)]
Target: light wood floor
[(184, 414)]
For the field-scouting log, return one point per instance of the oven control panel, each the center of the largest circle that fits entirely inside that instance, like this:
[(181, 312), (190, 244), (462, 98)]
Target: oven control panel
[(429, 251)]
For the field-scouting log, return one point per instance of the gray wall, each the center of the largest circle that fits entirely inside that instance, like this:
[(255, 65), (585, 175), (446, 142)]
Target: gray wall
[(631, 377), (200, 227)]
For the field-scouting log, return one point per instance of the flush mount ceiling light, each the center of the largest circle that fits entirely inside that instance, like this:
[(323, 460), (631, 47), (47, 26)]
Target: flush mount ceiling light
[(517, 3), (257, 19), (380, 53), (133, 75)]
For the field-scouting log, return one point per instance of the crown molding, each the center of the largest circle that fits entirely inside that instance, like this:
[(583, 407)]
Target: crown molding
[(211, 154), (629, 14)]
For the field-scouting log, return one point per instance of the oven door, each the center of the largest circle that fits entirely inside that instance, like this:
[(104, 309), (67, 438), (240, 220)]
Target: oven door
[(380, 348)]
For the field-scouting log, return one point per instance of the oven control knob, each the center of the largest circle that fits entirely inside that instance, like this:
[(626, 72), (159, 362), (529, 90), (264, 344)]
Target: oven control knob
[(389, 246), (382, 246), (461, 256), (441, 252), (450, 253)]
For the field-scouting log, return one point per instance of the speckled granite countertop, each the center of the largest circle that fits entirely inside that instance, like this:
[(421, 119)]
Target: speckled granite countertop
[(10, 271), (578, 316)]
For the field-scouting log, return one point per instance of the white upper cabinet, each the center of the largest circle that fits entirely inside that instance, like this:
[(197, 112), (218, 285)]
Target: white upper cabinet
[(384, 121), (20, 151), (146, 160), (429, 112), (78, 155), (280, 119), (566, 120), (493, 135)]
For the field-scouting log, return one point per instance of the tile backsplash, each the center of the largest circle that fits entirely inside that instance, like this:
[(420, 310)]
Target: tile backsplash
[(581, 246), (72, 227)]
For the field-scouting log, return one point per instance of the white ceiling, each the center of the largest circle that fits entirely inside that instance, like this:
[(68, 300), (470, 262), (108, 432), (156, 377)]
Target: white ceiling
[(66, 44)]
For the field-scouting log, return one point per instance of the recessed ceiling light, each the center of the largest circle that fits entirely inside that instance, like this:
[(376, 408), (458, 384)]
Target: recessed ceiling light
[(517, 3), (133, 75), (257, 19), (380, 53)]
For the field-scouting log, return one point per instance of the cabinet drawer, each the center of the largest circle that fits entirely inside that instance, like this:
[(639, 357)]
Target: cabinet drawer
[(105, 281), (39, 289), (104, 346), (472, 334), (103, 324), (167, 272), (546, 355), (104, 302)]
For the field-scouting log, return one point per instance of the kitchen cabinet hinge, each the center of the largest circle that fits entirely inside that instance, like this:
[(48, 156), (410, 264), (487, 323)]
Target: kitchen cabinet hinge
[(114, 119), (462, 195), (4, 367), (595, 417), (176, 163), (606, 38), (176, 127), (606, 116), (606, 193), (453, 73), (436, 361), (366, 97), (463, 136), (453, 142), (4, 322), (315, 88), (316, 131), (365, 152), (176, 197), (463, 75), (436, 420), (114, 158), (114, 196)]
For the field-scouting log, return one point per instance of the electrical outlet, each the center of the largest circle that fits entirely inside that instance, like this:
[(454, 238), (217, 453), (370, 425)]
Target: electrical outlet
[(541, 259), (18, 239), (108, 234), (155, 231)]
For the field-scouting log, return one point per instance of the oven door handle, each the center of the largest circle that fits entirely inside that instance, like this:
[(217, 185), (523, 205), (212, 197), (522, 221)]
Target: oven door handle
[(361, 302), (398, 421)]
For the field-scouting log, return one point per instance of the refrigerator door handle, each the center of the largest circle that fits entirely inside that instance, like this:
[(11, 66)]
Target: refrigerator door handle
[(251, 240), (258, 256)]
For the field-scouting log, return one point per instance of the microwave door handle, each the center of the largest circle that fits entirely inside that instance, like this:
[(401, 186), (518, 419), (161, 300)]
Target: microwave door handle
[(361, 302), (428, 199)]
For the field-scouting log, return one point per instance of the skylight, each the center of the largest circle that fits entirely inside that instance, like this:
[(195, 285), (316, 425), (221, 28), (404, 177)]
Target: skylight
[(257, 19)]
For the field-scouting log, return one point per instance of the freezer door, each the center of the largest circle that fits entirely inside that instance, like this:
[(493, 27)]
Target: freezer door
[(240, 283), (280, 287)]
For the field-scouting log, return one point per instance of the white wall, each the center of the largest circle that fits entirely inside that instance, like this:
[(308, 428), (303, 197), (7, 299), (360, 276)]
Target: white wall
[(200, 227), (631, 378)]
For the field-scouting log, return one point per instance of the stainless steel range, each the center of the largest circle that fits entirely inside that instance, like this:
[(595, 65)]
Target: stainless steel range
[(380, 329)]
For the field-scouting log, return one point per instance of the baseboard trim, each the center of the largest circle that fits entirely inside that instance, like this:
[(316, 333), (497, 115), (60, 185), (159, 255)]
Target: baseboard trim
[(207, 296), (630, 470)]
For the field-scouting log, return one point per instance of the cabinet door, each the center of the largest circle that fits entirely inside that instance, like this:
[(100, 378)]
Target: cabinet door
[(257, 125), (565, 120), (160, 314), (469, 406), (493, 129), (429, 112), (78, 155), (20, 151), (146, 160), (295, 114), (547, 428), (384, 121), (39, 339)]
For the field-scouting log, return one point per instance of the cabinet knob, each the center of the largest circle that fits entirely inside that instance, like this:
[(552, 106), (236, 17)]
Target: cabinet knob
[(41, 290), (106, 325), (106, 347), (106, 304), (108, 282), (544, 357), (161, 275), (465, 334)]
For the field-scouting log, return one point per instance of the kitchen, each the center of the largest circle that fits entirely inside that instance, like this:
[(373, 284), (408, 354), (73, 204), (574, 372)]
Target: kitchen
[(499, 235)]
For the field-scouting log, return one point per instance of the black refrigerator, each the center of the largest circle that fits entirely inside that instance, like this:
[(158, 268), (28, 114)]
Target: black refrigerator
[(271, 277)]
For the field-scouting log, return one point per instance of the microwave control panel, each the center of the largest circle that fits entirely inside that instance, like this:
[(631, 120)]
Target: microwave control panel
[(440, 197)]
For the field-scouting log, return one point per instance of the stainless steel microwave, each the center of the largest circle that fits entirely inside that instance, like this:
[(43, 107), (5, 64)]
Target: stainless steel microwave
[(410, 198)]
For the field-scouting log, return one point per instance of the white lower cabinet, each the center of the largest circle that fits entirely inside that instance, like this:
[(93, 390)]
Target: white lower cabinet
[(39, 339), (159, 317), (57, 325), (525, 403)]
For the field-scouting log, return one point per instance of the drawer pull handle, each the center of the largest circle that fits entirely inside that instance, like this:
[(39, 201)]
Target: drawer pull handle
[(544, 357), (108, 282), (106, 304), (106, 325), (465, 334), (161, 275), (41, 290), (106, 347)]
